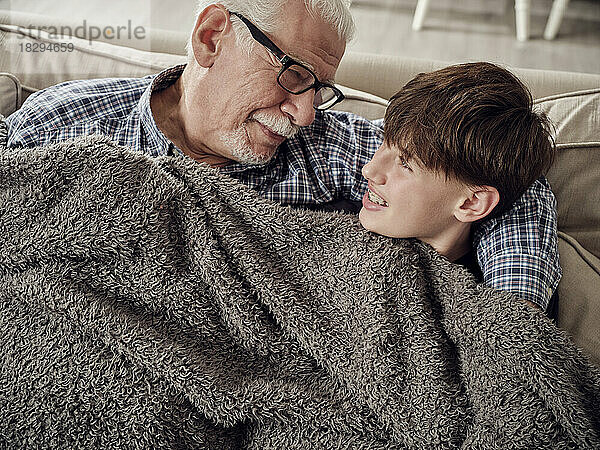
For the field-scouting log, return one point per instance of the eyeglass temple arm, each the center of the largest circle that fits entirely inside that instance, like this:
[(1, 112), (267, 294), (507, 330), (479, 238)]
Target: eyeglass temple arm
[(260, 37)]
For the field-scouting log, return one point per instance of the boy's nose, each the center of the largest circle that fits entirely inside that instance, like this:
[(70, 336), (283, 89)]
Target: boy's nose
[(372, 170)]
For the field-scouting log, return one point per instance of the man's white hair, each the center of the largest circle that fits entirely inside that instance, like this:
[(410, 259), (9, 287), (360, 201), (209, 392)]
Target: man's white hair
[(267, 16)]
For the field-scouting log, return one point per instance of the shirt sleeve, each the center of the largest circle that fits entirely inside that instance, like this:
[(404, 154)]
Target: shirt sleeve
[(518, 251), (72, 108), (22, 125)]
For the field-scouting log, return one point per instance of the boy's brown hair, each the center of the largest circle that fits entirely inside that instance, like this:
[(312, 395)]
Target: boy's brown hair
[(473, 122)]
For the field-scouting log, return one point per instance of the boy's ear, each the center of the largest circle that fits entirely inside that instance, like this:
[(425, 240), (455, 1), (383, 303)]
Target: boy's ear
[(211, 26), (477, 204)]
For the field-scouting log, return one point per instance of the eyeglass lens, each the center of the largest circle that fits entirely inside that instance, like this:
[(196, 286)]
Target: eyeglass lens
[(298, 79)]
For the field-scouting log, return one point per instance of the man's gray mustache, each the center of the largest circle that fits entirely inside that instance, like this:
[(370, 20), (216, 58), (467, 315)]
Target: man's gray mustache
[(278, 124)]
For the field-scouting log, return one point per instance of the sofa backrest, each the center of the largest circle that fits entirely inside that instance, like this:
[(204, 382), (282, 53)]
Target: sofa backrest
[(384, 75)]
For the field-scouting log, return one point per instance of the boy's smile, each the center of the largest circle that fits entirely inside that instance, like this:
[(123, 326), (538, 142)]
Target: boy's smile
[(373, 200)]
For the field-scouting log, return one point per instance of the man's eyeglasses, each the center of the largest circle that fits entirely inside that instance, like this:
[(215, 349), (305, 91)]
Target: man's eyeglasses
[(294, 76)]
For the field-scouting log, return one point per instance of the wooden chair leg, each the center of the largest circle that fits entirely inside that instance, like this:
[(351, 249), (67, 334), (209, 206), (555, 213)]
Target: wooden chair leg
[(522, 16), (420, 12), (555, 18)]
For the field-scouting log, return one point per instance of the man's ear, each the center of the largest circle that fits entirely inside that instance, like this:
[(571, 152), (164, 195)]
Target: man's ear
[(212, 24), (477, 203)]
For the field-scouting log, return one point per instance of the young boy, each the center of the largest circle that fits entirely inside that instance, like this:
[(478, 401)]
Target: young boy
[(461, 144)]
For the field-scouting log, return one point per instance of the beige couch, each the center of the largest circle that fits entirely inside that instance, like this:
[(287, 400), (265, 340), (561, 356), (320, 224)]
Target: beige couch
[(572, 101)]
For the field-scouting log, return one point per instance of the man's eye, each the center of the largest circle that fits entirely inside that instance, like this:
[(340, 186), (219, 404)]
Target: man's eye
[(300, 76), (295, 74)]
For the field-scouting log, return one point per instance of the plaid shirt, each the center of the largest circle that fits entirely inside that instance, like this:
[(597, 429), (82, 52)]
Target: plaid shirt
[(517, 252)]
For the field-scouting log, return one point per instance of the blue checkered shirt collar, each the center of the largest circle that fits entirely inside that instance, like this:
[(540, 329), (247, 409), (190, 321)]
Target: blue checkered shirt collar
[(155, 141)]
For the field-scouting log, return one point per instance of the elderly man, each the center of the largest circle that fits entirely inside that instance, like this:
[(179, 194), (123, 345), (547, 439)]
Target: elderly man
[(251, 101)]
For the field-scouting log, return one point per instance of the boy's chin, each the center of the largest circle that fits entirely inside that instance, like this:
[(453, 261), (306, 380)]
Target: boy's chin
[(376, 226), (368, 223), (364, 221)]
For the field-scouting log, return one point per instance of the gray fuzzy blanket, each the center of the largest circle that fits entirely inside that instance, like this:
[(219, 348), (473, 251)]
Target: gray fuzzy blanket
[(154, 303)]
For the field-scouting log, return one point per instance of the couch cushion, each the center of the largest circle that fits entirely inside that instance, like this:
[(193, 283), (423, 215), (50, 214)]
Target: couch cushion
[(575, 175), (10, 94), (579, 296)]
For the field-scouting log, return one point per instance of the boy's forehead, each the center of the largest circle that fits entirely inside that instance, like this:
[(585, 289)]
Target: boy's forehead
[(403, 150), (407, 152)]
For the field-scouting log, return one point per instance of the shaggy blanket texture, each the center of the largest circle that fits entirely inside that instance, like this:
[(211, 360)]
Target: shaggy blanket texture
[(154, 303)]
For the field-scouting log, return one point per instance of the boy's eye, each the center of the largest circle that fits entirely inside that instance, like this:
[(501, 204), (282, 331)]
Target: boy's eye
[(403, 162)]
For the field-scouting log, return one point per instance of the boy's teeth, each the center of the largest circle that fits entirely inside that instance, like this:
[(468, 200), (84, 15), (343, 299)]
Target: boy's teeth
[(376, 199)]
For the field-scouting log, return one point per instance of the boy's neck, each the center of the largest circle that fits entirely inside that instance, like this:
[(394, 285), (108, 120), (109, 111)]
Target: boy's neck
[(454, 243), (456, 252)]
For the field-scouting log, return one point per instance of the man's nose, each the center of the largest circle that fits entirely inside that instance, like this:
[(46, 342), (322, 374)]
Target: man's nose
[(299, 108)]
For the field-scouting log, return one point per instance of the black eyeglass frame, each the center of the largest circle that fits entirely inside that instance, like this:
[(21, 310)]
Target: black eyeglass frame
[(287, 61)]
